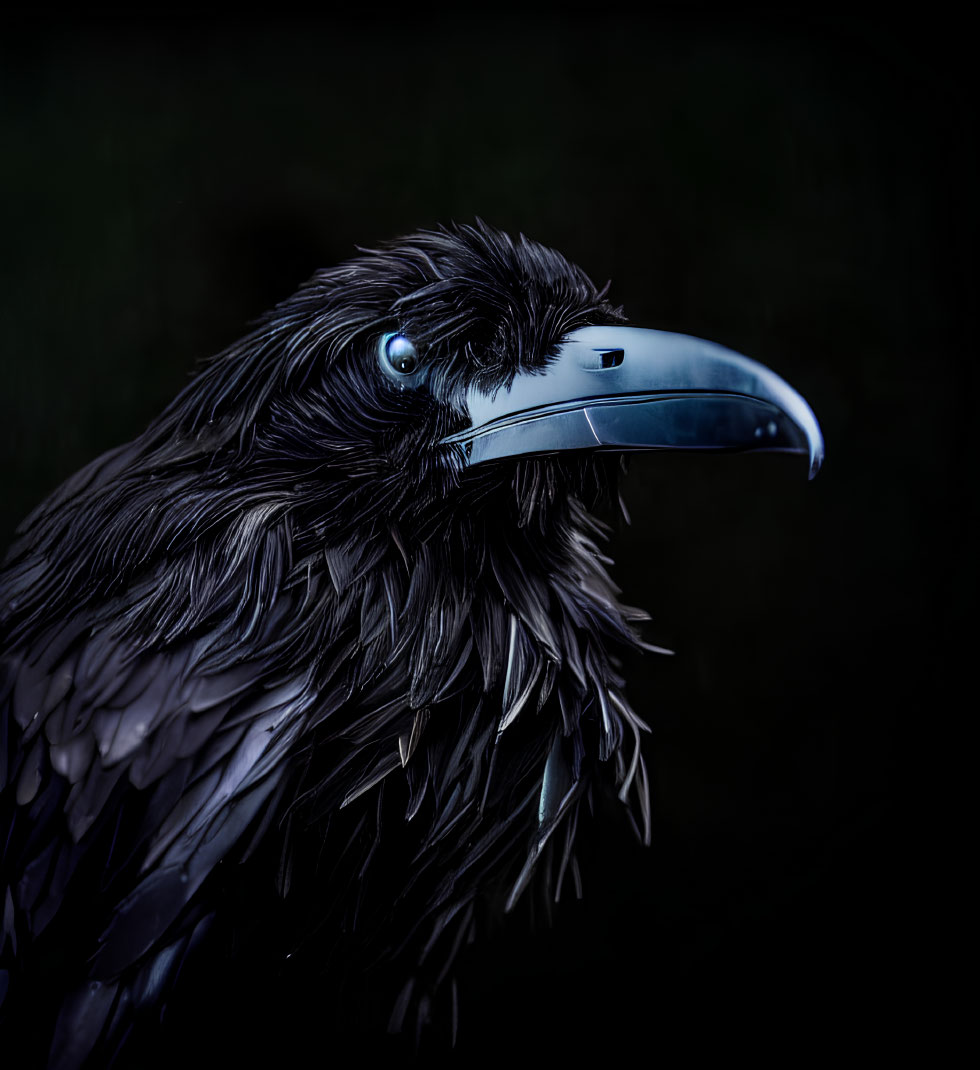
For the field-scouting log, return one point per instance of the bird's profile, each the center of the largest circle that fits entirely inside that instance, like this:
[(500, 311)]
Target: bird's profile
[(339, 612)]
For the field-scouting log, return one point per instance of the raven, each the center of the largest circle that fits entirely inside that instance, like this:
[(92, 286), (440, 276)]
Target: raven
[(340, 612)]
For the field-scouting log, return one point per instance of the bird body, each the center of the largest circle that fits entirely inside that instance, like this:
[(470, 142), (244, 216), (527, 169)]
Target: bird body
[(296, 625)]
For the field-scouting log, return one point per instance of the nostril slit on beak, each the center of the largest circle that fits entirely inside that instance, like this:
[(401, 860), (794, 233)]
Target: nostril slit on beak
[(611, 358)]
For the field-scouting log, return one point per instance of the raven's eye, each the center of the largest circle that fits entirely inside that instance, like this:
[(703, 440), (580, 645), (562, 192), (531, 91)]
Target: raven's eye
[(400, 353)]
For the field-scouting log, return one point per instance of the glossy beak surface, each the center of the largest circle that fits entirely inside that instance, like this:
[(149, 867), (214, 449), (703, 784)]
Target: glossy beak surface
[(628, 388)]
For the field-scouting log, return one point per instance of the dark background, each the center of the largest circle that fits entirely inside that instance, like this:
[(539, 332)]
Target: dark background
[(801, 190)]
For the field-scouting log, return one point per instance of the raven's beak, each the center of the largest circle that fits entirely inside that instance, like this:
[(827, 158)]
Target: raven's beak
[(627, 388)]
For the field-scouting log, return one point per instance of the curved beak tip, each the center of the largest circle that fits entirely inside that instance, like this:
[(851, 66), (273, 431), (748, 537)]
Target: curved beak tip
[(816, 458)]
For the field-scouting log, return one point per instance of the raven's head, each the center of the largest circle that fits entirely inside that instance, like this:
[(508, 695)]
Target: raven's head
[(400, 370), (372, 514)]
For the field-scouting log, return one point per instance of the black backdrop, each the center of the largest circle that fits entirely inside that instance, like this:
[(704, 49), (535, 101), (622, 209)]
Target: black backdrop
[(800, 190)]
